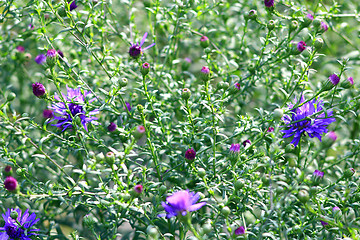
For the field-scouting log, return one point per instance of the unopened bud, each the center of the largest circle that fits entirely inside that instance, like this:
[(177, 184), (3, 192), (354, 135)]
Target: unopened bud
[(145, 68), (10, 97), (303, 196), (204, 42), (123, 82), (319, 43), (349, 173), (14, 215), (185, 93), (110, 158)]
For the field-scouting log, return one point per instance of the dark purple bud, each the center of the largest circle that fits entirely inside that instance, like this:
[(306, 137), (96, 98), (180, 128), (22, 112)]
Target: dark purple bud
[(324, 224), (240, 231), (112, 127), (237, 85), (47, 113), (73, 5), (334, 79), (8, 170), (20, 48), (190, 154), (10, 184), (128, 106), (246, 142), (269, 3), (38, 89), (61, 54), (270, 129), (301, 46)]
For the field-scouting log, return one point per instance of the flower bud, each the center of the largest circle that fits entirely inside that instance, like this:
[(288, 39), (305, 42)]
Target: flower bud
[(336, 211), (349, 173), (162, 189), (204, 42), (110, 158), (307, 20), (138, 132), (123, 82), (14, 215), (240, 183), (10, 97), (252, 15), (40, 59), (225, 211), (269, 3), (317, 176), (293, 26), (303, 196), (152, 232), (271, 25), (190, 155), (51, 57), (39, 90), (140, 108), (185, 64), (278, 114), (201, 172), (100, 157), (145, 68), (319, 43), (316, 23), (348, 83), (112, 127), (207, 228), (332, 81), (8, 171), (138, 189), (11, 184), (185, 93), (89, 221)]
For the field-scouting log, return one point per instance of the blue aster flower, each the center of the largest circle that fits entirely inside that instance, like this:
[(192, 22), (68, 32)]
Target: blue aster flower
[(75, 102), (313, 124), (18, 229), (181, 202)]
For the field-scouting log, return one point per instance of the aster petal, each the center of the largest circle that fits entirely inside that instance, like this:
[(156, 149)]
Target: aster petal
[(143, 39), (151, 45), (196, 206), (195, 198), (4, 236)]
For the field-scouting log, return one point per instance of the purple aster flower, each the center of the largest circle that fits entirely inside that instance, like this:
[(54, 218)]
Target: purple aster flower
[(270, 129), (336, 209), (51, 53), (112, 127), (20, 48), (235, 147), (40, 59), (75, 102), (188, 60), (237, 85), (47, 113), (181, 202), (128, 106), (324, 224), (190, 154), (73, 5), (19, 228), (301, 121), (351, 80), (240, 230), (310, 16), (332, 135), (301, 46), (269, 3), (138, 188), (318, 174), (323, 26), (135, 50), (38, 89), (205, 70), (10, 184)]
